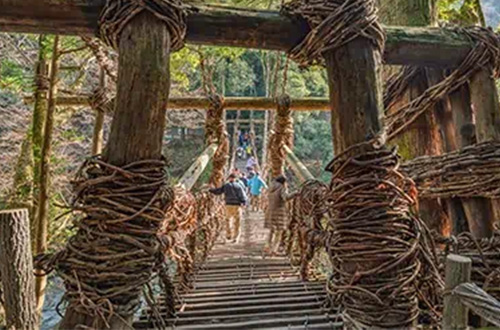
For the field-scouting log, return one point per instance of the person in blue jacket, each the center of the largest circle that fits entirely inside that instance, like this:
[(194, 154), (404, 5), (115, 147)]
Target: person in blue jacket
[(256, 185)]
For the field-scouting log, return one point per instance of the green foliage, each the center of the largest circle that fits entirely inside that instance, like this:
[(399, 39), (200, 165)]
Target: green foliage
[(461, 12), (14, 76)]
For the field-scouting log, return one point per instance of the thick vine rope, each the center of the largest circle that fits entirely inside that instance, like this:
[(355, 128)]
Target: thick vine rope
[(380, 252), (211, 213), (397, 85), (485, 54), (333, 23), (180, 222), (215, 132), (115, 249), (305, 233), (117, 13), (281, 136), (469, 172), (102, 56)]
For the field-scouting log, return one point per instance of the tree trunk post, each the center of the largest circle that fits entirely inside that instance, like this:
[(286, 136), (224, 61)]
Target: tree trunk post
[(486, 107), (16, 270), (42, 221), (458, 271), (138, 124), (355, 93), (236, 127)]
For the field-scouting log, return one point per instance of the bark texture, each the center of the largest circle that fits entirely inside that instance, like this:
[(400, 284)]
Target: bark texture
[(422, 137), (16, 270), (355, 94), (139, 117), (486, 107)]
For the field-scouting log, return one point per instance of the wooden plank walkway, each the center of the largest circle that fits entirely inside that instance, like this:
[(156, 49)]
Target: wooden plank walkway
[(240, 288)]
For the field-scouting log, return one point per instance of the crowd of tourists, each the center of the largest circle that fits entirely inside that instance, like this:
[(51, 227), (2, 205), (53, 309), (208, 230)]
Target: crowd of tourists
[(243, 192)]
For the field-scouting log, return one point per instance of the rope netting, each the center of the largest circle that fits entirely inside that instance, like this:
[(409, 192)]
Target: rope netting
[(305, 233), (117, 13), (215, 132), (473, 171), (180, 222), (282, 135), (115, 250), (484, 55), (383, 260), (485, 256), (333, 24), (102, 100)]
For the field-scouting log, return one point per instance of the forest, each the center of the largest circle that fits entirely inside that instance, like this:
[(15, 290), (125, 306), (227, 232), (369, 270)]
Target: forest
[(37, 166)]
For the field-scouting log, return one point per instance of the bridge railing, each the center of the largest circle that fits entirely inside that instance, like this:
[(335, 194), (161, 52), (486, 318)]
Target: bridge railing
[(461, 295)]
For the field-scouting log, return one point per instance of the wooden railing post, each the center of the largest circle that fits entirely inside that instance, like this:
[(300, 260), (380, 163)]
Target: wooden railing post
[(486, 106), (16, 270), (458, 271)]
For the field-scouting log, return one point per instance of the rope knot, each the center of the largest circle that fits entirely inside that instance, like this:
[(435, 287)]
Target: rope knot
[(117, 13), (333, 23)]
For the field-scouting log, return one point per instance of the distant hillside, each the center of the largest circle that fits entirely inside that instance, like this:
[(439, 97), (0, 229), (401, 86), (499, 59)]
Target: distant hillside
[(491, 10)]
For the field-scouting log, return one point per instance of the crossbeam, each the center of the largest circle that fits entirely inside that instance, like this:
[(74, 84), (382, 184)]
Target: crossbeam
[(225, 26), (230, 103)]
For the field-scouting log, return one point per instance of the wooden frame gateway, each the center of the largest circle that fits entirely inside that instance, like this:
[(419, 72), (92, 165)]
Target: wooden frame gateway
[(359, 136)]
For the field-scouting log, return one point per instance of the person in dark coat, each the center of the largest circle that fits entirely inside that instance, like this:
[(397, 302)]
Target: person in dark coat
[(235, 198), (277, 214)]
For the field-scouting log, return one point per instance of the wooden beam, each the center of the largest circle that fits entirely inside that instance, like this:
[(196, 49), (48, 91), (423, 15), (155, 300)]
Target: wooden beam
[(233, 27), (458, 271), (192, 175), (298, 168), (230, 103)]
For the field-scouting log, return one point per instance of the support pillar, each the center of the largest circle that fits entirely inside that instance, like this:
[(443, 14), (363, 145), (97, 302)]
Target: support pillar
[(138, 124), (486, 107), (357, 116), (477, 210), (355, 93), (16, 270)]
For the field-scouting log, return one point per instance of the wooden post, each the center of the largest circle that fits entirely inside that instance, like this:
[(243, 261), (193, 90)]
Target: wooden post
[(139, 119), (355, 93), (458, 271), (484, 99), (42, 221), (422, 137), (97, 138), (190, 177), (235, 140), (16, 270)]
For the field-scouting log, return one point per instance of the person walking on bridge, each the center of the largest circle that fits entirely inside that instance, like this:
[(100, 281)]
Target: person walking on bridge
[(277, 213), (256, 185), (235, 198)]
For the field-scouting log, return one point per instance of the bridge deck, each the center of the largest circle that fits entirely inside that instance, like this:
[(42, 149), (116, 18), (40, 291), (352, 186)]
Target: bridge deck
[(240, 288)]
